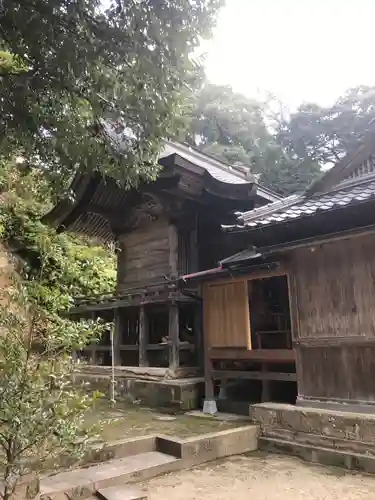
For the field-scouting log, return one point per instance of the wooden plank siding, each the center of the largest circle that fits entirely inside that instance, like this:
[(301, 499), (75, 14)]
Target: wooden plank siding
[(145, 255), (226, 314), (333, 294), (335, 284)]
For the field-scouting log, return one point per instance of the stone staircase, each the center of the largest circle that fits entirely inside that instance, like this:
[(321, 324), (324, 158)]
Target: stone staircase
[(327, 437), (132, 461), (106, 478)]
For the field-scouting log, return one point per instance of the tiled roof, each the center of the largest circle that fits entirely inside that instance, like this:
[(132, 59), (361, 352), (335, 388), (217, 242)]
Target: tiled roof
[(298, 206), (217, 169)]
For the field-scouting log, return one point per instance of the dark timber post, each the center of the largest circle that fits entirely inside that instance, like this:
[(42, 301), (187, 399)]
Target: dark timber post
[(117, 334), (198, 337), (143, 336), (173, 334)]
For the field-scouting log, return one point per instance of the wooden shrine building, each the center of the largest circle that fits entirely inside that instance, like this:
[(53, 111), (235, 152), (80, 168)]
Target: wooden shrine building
[(163, 230), (291, 315)]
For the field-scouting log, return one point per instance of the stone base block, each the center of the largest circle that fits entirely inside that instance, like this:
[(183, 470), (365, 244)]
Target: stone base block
[(319, 435), (181, 394)]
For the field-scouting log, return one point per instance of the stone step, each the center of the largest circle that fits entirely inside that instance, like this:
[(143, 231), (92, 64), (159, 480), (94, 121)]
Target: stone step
[(121, 493), (348, 445), (319, 454), (82, 483)]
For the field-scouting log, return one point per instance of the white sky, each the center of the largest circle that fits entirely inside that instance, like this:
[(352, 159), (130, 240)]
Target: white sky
[(301, 50)]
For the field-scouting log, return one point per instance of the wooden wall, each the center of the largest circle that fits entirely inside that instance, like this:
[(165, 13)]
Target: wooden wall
[(145, 255), (333, 294)]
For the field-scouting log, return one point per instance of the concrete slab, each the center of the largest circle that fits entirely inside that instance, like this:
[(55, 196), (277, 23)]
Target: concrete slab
[(104, 475), (121, 493)]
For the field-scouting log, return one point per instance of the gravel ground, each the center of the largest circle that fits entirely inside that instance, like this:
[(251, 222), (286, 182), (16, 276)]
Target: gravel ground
[(261, 476)]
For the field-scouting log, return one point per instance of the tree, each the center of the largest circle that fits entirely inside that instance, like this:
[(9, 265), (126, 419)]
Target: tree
[(228, 125), (73, 266), (326, 134), (41, 413), (236, 129), (93, 86)]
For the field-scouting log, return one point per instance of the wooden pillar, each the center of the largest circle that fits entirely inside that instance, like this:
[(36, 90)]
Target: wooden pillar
[(198, 337), (194, 248), (143, 332), (173, 334), (117, 335), (173, 251)]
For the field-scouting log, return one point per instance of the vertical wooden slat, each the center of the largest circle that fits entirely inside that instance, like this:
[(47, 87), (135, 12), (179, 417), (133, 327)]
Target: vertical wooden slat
[(173, 334), (227, 315), (143, 336)]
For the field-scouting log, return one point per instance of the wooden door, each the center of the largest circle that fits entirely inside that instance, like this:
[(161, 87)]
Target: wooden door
[(226, 314)]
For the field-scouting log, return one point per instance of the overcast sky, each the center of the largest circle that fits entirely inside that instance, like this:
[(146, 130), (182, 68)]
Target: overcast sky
[(301, 50)]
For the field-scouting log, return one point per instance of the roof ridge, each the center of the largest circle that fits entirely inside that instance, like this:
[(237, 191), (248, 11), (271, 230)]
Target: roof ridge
[(348, 183), (271, 208)]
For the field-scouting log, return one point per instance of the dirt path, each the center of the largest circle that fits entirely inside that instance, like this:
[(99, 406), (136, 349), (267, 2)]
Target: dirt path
[(262, 477)]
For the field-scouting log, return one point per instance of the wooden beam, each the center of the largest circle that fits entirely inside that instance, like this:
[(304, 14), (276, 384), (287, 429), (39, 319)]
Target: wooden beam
[(143, 336), (270, 355), (255, 275), (129, 347), (259, 375), (329, 341), (173, 334)]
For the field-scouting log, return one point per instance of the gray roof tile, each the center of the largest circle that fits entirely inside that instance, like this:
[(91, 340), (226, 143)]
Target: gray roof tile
[(297, 206)]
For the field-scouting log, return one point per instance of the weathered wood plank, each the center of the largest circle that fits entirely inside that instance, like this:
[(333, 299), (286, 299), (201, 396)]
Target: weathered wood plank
[(270, 355), (335, 289), (146, 256)]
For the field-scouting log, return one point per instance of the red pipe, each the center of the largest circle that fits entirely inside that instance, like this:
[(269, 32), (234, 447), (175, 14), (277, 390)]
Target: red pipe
[(202, 273)]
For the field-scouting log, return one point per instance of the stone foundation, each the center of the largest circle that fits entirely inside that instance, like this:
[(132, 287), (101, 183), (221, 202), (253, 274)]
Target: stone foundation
[(181, 394), (324, 436)]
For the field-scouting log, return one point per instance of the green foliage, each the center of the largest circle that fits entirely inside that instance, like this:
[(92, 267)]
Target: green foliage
[(326, 134), (72, 266), (41, 413), (97, 86), (234, 129)]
